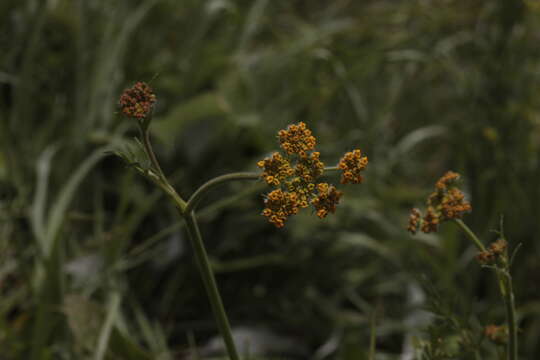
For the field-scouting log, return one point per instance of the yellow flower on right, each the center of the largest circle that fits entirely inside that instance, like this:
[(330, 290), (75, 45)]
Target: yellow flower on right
[(295, 174), (445, 203)]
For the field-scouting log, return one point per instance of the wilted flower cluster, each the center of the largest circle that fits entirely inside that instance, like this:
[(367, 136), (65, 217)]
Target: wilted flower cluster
[(495, 251), (137, 101), (295, 175), (445, 203)]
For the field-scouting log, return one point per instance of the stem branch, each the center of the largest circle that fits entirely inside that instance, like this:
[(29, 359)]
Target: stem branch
[(203, 189), (470, 235)]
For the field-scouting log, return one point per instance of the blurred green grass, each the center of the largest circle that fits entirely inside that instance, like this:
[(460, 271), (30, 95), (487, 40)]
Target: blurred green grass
[(93, 262)]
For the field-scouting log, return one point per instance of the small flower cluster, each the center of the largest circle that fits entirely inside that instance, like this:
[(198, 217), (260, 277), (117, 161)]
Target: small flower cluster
[(352, 164), (137, 101), (276, 169), (445, 203), (296, 173), (497, 334), (279, 206), (297, 139), (495, 251), (327, 199)]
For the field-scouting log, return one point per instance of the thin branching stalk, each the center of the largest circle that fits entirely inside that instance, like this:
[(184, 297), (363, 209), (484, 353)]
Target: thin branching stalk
[(203, 189), (195, 237), (161, 180), (186, 211)]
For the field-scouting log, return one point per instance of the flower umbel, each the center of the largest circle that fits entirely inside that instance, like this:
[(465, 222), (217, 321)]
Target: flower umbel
[(445, 203), (352, 164), (137, 101), (295, 175)]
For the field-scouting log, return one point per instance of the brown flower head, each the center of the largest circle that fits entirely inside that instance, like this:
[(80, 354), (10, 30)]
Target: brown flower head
[(276, 169), (137, 101), (279, 205), (297, 139), (453, 204), (445, 203), (446, 180), (326, 200), (352, 164)]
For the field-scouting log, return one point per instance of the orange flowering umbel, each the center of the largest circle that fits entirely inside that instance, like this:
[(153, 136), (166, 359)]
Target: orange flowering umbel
[(295, 175), (352, 164), (445, 203), (137, 101)]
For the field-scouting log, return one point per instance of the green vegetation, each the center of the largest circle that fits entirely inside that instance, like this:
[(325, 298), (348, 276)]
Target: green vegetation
[(95, 262)]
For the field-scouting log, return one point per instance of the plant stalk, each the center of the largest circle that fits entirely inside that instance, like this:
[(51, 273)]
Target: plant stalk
[(510, 305), (210, 184), (210, 284), (470, 235)]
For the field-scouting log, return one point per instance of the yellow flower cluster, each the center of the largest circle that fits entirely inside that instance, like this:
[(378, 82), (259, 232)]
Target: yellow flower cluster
[(295, 175), (352, 164), (309, 168), (279, 205), (276, 169), (445, 203), (326, 200), (297, 139)]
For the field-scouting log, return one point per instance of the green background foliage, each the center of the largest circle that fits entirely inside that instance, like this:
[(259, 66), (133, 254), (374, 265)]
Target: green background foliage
[(94, 263)]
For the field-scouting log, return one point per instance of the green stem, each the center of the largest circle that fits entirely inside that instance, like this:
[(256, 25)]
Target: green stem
[(510, 305), (332, 168), (162, 182), (210, 284), (470, 234), (201, 191)]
